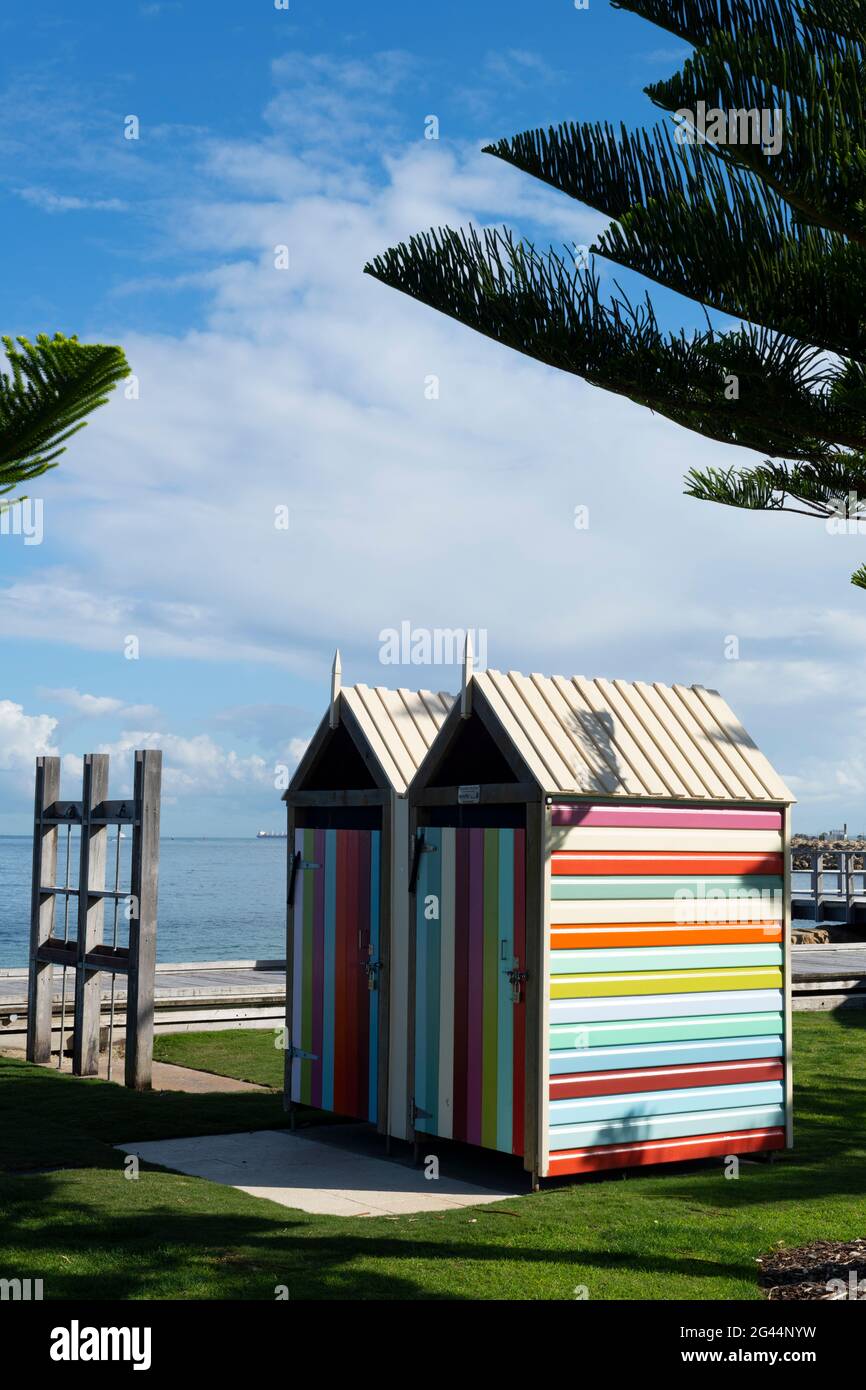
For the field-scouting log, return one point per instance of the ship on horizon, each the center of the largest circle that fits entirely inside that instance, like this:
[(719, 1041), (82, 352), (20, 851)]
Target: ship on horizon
[(272, 834)]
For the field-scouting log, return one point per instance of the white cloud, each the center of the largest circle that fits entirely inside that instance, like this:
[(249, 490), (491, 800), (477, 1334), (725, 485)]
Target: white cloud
[(306, 388), (24, 737), (96, 706), (48, 201)]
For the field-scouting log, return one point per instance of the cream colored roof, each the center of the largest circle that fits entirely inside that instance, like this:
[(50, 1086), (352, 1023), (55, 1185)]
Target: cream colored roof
[(624, 738), (399, 725)]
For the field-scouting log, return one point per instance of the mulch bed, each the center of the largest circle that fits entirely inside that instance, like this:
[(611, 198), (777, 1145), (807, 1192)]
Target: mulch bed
[(806, 1273)]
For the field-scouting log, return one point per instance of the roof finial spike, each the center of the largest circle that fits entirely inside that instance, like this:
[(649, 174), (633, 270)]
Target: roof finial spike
[(465, 695), (336, 683)]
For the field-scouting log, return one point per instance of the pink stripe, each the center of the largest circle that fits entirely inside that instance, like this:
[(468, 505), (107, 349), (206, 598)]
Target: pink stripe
[(665, 817), (476, 987)]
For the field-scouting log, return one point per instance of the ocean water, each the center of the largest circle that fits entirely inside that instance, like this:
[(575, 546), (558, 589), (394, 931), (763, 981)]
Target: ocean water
[(218, 899)]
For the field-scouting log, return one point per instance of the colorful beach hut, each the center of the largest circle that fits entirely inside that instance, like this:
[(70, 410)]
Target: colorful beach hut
[(601, 969), (347, 948)]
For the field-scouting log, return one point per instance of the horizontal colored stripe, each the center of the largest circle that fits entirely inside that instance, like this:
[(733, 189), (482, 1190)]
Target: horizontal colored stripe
[(621, 839), (664, 1030), (640, 1128), (594, 1010), (580, 912), (614, 1083), (719, 886), (665, 1151), (664, 957), (613, 862), (636, 1105), (713, 1049), (665, 816), (662, 934), (663, 982)]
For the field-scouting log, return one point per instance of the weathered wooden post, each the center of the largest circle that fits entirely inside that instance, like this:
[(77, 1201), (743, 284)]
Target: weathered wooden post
[(142, 926), (39, 1002), (91, 907)]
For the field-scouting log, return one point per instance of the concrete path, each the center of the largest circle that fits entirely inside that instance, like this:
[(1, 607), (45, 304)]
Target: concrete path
[(166, 1076), (332, 1171)]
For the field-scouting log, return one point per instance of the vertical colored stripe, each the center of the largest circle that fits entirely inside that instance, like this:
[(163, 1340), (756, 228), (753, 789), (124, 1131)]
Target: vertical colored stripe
[(504, 1005), (329, 952), (318, 968), (340, 978), (476, 987), (490, 988), (421, 1020), (434, 948), (373, 1082), (445, 1106), (461, 984), (362, 987), (297, 971), (519, 1068), (352, 952), (309, 913)]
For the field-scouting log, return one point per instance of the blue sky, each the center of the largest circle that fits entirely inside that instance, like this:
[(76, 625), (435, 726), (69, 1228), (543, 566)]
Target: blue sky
[(304, 388)]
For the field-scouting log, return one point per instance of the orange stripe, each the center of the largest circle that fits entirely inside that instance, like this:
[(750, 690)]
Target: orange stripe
[(665, 1151), (646, 862), (663, 934)]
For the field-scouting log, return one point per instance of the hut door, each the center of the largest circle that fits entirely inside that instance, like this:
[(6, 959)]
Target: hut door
[(470, 1009), (335, 979)]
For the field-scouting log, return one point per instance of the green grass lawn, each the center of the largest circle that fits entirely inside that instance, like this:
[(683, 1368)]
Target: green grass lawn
[(247, 1054), (89, 1232)]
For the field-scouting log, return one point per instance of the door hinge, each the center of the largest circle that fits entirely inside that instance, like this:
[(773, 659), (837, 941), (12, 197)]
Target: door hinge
[(417, 1113), (301, 1055)]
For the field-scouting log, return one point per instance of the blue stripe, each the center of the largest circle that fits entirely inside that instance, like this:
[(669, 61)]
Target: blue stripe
[(568, 1063), (505, 1006), (645, 1104), (641, 1129), (621, 959)]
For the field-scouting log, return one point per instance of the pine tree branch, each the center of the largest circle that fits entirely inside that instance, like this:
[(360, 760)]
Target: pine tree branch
[(45, 397)]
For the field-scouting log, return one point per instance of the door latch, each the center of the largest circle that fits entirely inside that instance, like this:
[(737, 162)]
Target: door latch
[(518, 979)]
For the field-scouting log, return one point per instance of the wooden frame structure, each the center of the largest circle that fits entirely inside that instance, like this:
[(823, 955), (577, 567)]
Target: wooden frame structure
[(579, 767), (87, 953)]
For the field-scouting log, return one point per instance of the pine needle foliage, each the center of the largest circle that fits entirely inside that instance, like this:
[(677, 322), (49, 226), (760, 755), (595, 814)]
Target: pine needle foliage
[(767, 228), (50, 388)]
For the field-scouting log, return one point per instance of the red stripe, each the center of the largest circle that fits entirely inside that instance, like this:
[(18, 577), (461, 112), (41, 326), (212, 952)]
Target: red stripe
[(518, 1095), (617, 1083), (665, 1151), (340, 977), (363, 955), (461, 981), (651, 862), (319, 982)]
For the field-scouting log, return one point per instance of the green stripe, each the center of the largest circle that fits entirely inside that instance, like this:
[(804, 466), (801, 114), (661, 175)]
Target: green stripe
[(600, 886), (490, 976), (566, 1035)]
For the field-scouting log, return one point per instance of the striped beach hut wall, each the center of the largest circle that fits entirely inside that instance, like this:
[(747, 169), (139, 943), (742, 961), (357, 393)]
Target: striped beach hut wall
[(600, 947), (347, 947)]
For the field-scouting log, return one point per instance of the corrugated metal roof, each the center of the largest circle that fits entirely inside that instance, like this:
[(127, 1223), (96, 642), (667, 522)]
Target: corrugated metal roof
[(624, 738), (399, 725)]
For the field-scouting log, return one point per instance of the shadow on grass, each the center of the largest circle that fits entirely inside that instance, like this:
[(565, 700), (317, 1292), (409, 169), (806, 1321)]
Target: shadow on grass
[(159, 1251)]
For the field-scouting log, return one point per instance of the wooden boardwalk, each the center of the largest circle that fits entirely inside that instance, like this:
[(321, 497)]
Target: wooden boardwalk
[(251, 994)]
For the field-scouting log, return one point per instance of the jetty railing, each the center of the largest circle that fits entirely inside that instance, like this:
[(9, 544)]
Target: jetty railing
[(839, 883)]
